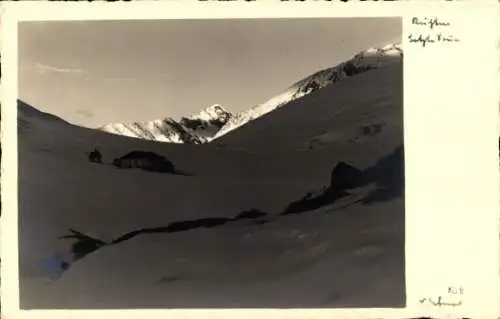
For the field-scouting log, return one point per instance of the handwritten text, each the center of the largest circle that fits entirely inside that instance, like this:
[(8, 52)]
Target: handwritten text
[(431, 34), (431, 38), (441, 301), (430, 22)]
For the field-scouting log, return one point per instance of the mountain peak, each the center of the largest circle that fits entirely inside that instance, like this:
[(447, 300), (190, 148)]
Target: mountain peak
[(214, 112), (215, 108), (192, 129)]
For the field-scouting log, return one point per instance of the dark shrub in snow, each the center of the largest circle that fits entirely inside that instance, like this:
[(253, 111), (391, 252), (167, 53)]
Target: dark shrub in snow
[(83, 245), (95, 156)]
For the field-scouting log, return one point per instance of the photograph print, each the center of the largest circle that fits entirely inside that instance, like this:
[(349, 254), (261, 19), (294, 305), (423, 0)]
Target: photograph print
[(219, 163)]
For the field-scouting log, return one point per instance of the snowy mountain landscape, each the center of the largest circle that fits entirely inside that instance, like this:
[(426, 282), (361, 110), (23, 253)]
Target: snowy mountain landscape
[(295, 203), (215, 121)]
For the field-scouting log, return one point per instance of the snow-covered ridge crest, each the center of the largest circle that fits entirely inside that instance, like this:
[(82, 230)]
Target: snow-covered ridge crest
[(211, 113), (364, 61), (192, 129)]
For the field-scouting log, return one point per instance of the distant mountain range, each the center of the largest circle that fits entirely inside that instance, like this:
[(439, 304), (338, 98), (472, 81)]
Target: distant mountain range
[(193, 129), (215, 121)]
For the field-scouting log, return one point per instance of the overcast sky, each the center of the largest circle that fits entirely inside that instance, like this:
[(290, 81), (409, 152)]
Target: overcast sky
[(93, 73)]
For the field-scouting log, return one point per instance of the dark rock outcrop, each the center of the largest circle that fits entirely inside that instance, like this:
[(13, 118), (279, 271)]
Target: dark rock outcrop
[(176, 227), (250, 214), (307, 203), (345, 176), (387, 174), (351, 69), (389, 170)]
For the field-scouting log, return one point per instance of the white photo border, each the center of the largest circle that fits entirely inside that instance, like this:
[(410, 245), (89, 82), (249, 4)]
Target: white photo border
[(451, 112)]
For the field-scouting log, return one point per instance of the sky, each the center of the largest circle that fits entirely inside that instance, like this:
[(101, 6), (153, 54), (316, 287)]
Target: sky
[(92, 73)]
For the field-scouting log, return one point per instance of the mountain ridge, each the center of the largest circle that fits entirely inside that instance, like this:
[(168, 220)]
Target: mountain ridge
[(191, 129), (214, 121), (363, 61)]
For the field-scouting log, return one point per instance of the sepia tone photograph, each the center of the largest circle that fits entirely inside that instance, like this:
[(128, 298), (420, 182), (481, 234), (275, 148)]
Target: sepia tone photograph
[(219, 163)]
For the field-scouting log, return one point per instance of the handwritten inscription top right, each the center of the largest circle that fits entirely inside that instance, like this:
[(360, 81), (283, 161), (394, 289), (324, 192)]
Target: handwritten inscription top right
[(434, 32)]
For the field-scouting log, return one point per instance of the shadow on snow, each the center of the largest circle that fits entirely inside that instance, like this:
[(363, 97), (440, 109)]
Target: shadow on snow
[(387, 174)]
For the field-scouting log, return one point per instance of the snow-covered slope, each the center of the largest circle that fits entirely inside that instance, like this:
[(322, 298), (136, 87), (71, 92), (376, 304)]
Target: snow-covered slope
[(369, 59), (193, 129), (344, 252)]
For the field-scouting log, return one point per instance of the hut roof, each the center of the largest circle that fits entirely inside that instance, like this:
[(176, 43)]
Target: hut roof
[(142, 154)]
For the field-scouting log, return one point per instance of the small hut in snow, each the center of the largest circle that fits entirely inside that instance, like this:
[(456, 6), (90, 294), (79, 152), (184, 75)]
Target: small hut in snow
[(148, 161)]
